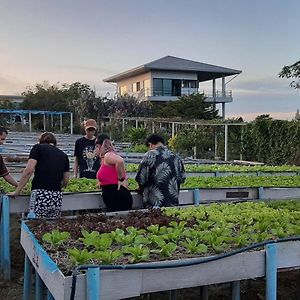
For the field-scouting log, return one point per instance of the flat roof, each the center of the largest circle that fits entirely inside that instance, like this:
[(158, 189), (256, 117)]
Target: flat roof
[(171, 63)]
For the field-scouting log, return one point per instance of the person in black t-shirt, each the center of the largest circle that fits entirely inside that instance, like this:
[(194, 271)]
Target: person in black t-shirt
[(51, 172), (86, 160), (3, 171)]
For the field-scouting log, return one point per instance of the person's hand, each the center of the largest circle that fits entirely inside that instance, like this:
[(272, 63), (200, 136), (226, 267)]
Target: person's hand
[(122, 183), (13, 194)]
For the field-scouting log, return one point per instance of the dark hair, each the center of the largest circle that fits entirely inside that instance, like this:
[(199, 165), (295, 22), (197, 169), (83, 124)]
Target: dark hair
[(154, 139), (100, 139), (47, 138), (3, 130)]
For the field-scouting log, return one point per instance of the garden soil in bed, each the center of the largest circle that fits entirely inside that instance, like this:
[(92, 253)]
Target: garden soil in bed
[(288, 282)]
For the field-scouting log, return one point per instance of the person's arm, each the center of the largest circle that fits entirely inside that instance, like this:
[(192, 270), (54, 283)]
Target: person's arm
[(65, 180), (10, 180), (142, 175), (28, 171), (75, 167)]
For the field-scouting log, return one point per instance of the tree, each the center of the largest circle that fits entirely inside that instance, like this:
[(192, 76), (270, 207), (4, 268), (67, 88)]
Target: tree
[(292, 71), (190, 107)]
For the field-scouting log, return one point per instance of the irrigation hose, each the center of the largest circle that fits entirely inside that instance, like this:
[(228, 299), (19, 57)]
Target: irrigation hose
[(148, 266)]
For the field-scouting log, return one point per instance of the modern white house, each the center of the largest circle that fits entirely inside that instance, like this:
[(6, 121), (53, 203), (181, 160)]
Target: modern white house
[(167, 78)]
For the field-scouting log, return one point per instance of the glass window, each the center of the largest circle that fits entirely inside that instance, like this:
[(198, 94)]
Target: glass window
[(193, 84), (185, 84), (167, 87), (157, 87), (134, 87)]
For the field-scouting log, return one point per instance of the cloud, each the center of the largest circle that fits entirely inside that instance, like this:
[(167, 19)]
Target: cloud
[(274, 114), (10, 85), (268, 85)]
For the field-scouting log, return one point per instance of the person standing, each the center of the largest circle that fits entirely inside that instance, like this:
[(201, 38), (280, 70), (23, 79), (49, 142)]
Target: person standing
[(86, 162), (51, 168), (112, 177), (160, 174), (3, 170)]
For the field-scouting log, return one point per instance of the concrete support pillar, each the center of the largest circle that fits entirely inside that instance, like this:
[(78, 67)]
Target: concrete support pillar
[(214, 88), (223, 87)]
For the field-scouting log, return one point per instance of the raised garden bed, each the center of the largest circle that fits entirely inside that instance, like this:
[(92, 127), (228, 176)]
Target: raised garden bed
[(181, 248)]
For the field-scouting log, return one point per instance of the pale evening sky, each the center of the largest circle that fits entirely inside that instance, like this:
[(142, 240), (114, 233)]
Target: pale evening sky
[(70, 40)]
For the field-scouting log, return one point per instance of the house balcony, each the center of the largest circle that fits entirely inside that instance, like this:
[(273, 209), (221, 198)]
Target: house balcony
[(172, 95)]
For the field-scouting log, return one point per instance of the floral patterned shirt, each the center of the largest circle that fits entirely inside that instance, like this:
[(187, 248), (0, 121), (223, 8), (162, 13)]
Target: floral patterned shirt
[(160, 174)]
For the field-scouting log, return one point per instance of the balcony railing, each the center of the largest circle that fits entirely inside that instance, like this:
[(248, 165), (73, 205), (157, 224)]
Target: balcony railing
[(150, 92)]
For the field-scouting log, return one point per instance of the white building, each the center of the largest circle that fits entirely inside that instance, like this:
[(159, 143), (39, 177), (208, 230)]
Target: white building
[(169, 77)]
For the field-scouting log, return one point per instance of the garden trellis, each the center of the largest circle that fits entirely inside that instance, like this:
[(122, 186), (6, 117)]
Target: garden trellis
[(44, 113), (174, 126)]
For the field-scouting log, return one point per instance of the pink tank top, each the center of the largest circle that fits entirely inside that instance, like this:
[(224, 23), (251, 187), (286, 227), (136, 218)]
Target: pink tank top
[(107, 174)]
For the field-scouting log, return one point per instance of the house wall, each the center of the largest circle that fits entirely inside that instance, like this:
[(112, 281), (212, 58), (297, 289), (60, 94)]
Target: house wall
[(174, 75), (125, 86)]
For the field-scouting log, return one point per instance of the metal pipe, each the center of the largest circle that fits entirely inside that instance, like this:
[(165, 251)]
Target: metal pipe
[(27, 279), (93, 283), (271, 272)]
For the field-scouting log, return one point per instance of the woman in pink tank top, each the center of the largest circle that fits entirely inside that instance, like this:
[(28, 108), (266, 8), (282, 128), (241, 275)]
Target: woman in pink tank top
[(112, 176)]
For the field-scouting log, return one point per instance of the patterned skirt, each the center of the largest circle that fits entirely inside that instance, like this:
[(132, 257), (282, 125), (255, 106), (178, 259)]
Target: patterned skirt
[(45, 204)]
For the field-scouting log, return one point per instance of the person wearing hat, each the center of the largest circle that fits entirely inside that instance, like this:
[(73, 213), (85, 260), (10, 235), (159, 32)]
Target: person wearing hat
[(86, 162)]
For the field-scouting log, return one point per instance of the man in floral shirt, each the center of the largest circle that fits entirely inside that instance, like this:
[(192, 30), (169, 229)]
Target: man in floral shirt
[(160, 174)]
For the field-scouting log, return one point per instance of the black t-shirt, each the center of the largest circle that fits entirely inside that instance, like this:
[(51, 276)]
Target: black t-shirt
[(51, 165), (88, 161), (3, 170)]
